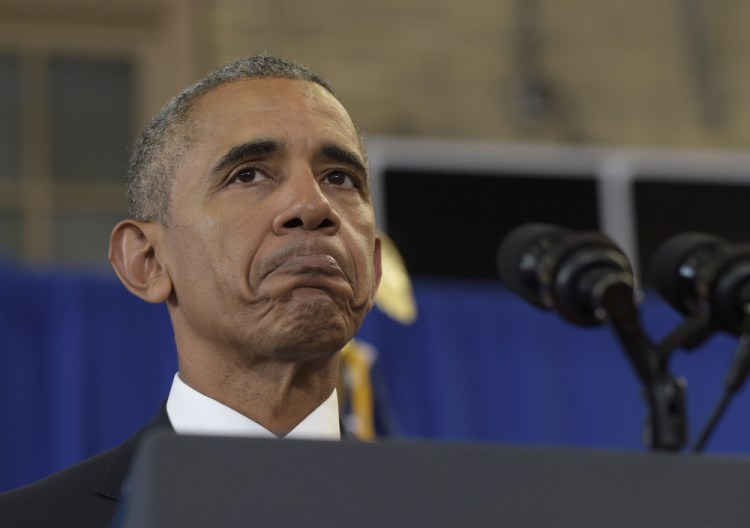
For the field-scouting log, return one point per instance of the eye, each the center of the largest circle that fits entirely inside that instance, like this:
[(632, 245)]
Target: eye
[(248, 175), (340, 178)]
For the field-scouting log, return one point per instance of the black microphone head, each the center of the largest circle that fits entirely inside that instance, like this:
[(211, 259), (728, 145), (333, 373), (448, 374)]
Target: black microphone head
[(730, 289), (704, 275), (677, 266), (555, 268), (520, 253)]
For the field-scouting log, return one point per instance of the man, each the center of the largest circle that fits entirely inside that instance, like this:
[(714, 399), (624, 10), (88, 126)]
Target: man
[(252, 220)]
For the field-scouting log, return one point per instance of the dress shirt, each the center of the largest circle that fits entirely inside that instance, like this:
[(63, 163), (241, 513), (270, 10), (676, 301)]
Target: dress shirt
[(194, 413)]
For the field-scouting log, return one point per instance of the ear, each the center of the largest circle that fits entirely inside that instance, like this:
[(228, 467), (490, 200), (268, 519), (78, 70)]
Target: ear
[(132, 252), (378, 268)]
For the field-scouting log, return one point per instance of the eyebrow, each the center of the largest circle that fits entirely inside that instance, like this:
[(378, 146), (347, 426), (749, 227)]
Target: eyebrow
[(259, 147), (244, 151), (344, 156)]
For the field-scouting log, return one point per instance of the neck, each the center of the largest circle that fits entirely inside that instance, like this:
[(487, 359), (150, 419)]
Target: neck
[(275, 394)]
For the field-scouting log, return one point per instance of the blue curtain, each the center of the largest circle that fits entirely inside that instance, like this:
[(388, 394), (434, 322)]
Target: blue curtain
[(83, 364)]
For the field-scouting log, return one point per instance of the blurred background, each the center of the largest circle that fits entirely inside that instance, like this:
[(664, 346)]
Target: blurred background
[(631, 118)]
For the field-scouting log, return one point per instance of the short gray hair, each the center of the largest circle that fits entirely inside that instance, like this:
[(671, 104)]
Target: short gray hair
[(162, 143)]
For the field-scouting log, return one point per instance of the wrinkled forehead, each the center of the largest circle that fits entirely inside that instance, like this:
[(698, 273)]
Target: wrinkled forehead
[(270, 105)]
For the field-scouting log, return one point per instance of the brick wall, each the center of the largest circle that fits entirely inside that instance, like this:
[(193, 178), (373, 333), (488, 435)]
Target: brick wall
[(612, 72)]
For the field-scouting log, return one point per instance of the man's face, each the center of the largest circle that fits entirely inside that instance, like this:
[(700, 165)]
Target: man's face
[(271, 248)]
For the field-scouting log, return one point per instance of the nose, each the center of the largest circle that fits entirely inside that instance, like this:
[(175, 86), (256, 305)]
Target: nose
[(304, 205)]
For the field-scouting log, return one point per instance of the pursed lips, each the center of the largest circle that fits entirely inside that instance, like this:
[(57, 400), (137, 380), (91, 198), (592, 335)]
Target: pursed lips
[(311, 262), (321, 264)]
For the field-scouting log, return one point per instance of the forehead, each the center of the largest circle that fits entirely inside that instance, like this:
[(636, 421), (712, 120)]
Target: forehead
[(285, 109)]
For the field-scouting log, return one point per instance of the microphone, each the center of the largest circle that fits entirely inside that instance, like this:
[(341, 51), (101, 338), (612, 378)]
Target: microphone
[(708, 279), (702, 275), (588, 279), (572, 272)]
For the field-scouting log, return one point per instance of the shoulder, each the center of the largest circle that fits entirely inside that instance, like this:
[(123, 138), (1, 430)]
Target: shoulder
[(66, 498), (84, 495)]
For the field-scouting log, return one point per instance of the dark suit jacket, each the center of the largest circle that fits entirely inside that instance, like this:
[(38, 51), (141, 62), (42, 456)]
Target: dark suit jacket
[(85, 495), (82, 496)]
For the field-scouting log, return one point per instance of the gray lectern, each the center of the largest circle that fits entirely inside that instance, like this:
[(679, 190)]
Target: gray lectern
[(191, 481)]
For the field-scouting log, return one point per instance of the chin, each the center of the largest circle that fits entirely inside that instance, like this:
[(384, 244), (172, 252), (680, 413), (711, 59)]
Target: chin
[(314, 347), (319, 330)]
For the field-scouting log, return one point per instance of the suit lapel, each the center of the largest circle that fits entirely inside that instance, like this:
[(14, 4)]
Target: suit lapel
[(122, 456)]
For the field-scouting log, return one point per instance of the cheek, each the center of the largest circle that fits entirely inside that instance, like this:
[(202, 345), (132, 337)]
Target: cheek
[(365, 263), (199, 253), (188, 265)]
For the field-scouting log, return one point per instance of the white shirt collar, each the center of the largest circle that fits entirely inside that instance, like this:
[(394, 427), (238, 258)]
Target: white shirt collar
[(194, 413)]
